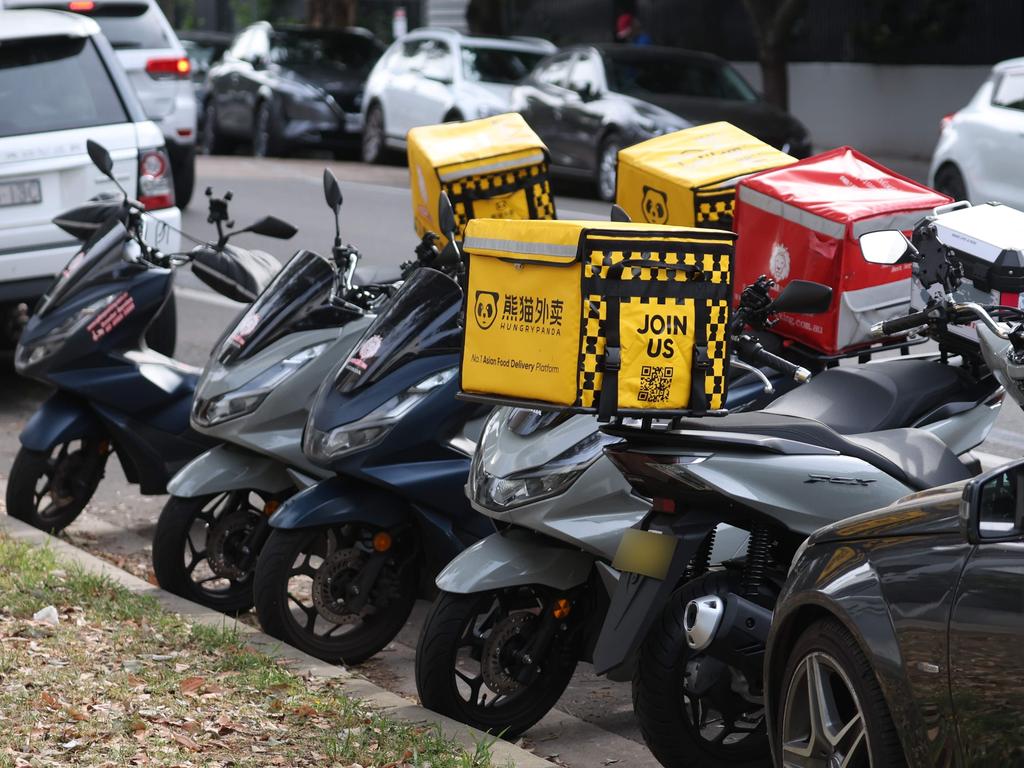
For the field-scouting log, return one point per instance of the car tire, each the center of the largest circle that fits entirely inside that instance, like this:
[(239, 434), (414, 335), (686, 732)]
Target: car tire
[(212, 141), (184, 173), (829, 656), (607, 166), (162, 334), (453, 116), (374, 143), (949, 181), (266, 133)]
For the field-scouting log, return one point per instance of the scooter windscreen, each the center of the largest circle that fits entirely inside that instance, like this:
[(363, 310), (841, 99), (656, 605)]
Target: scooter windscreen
[(421, 319), (297, 299)]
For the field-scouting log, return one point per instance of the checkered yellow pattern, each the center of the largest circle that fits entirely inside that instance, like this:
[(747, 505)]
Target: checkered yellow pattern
[(717, 327), (714, 209), (532, 180)]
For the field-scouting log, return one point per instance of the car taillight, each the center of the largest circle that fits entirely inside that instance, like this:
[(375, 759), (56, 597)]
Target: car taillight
[(947, 120), (156, 187), (169, 69), (81, 6)]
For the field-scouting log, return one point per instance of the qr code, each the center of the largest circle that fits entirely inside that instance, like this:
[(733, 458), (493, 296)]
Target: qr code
[(655, 383)]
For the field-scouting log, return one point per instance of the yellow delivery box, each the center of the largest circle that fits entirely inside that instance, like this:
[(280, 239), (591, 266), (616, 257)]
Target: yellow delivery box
[(496, 167), (688, 178), (617, 318)]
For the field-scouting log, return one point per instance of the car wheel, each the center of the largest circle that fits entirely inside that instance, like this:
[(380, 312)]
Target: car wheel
[(212, 141), (373, 136), (832, 711), (453, 116), (949, 181), (266, 140), (184, 173), (607, 166)]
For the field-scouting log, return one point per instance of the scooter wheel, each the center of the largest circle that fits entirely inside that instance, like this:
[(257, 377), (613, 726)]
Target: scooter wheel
[(468, 668), (718, 728), (198, 549), (48, 490), (304, 591)]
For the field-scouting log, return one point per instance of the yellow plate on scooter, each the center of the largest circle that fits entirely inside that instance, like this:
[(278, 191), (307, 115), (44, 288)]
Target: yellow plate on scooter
[(645, 552)]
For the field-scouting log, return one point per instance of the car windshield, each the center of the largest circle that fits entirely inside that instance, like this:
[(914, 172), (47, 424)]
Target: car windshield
[(340, 50), (644, 76), (297, 299), (497, 65), (55, 84)]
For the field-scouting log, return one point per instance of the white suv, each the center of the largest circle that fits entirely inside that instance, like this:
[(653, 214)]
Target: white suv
[(157, 67), (980, 154), (61, 84), (437, 75)]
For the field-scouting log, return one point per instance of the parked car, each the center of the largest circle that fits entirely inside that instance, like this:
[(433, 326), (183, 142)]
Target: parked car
[(204, 49), (979, 155), (589, 101), (60, 85), (897, 640), (279, 88), (438, 75), (157, 67)]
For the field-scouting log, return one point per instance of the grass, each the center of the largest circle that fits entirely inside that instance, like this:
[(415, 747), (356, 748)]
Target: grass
[(120, 682)]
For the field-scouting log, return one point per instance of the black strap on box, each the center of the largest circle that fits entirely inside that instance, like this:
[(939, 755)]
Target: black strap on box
[(608, 399)]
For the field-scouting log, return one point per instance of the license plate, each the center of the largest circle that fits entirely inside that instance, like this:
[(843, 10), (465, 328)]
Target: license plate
[(645, 552), (26, 192)]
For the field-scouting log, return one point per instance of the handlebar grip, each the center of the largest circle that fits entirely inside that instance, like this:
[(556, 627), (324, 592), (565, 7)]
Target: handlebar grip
[(898, 324), (753, 353)]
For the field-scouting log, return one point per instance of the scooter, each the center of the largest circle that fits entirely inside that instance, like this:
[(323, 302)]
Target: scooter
[(253, 398), (346, 559), (563, 515), (113, 393)]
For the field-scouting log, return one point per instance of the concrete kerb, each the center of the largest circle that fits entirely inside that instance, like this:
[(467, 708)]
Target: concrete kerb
[(371, 695)]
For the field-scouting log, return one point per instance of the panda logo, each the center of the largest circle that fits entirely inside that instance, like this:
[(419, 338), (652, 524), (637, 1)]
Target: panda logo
[(655, 206), (485, 309)]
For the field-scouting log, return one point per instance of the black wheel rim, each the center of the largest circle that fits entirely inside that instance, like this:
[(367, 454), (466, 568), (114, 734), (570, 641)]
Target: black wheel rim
[(823, 723), (209, 548), (67, 479)]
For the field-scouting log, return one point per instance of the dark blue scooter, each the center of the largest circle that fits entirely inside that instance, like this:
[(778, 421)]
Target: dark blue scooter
[(113, 393), (347, 557)]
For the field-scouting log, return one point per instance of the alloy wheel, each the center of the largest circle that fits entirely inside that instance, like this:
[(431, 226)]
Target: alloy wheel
[(607, 168), (823, 723), (261, 133), (373, 136)]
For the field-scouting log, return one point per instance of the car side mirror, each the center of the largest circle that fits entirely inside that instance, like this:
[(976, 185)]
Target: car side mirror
[(887, 246), (992, 506), (804, 297), (100, 158), (271, 226)]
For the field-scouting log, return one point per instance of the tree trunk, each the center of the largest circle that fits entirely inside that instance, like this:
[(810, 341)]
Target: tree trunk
[(332, 13), (773, 22)]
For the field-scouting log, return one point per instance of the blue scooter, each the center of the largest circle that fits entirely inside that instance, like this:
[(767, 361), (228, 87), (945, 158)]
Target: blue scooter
[(86, 338), (347, 557)]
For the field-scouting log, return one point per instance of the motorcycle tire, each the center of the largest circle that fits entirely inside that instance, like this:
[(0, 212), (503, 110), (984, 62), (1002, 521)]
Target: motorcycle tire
[(172, 542), (24, 494), (666, 715), (274, 601), (438, 674)]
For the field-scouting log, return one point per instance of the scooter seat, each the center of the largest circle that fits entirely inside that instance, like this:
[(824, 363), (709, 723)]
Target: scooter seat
[(924, 458), (875, 397)]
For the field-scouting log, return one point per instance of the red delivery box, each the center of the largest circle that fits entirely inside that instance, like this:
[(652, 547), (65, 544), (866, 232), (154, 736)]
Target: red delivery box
[(803, 221)]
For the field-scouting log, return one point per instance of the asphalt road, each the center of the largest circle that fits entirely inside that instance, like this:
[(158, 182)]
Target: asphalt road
[(376, 217)]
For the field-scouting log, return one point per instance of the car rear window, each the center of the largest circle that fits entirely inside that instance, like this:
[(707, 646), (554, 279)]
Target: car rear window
[(130, 25), (55, 84)]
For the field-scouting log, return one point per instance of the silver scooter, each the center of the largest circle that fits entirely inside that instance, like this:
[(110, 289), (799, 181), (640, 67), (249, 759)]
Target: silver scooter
[(563, 513), (253, 397)]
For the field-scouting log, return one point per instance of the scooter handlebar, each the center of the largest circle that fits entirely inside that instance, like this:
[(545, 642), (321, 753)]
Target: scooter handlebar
[(899, 324), (752, 352)]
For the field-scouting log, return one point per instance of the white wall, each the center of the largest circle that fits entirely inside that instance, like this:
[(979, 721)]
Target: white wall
[(879, 109), (446, 13)]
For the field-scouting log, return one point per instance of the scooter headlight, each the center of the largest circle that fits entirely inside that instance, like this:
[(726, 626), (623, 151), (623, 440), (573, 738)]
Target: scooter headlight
[(532, 485), (371, 429), (248, 397), (30, 354)]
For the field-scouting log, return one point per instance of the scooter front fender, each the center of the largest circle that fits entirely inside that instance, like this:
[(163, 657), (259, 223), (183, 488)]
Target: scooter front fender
[(341, 500), (512, 558), (226, 468), (60, 418)]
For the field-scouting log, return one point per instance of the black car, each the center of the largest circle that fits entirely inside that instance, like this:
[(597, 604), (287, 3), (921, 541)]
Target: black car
[(205, 49), (280, 88), (587, 102), (899, 637)]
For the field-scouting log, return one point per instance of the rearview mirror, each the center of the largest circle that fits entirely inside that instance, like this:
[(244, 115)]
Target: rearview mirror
[(100, 158), (271, 226), (619, 214), (805, 297), (886, 246), (992, 506), (446, 216), (332, 191)]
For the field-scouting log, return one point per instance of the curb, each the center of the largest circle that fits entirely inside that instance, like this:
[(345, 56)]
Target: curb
[(375, 697)]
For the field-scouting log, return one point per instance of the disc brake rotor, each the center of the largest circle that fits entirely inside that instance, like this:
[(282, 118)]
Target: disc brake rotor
[(330, 586), (65, 478), (512, 629), (223, 541)]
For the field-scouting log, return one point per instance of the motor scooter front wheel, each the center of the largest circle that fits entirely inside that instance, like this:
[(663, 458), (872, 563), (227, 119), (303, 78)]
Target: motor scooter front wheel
[(472, 665), (205, 548), (49, 489), (340, 593)]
